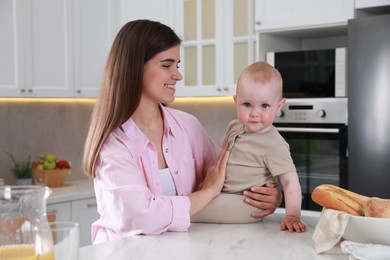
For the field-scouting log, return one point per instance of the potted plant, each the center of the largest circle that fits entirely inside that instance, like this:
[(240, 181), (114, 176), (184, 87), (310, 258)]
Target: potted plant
[(22, 170)]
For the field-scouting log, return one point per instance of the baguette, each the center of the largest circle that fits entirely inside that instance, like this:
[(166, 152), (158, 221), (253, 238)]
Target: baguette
[(377, 208), (333, 197)]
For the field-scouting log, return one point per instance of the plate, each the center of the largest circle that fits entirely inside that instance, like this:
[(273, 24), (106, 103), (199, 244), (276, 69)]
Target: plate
[(372, 253), (368, 230)]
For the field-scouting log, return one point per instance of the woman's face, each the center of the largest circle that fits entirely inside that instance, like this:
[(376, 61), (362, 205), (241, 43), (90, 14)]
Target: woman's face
[(160, 76)]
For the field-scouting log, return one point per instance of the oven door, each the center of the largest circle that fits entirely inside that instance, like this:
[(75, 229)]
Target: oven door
[(320, 155)]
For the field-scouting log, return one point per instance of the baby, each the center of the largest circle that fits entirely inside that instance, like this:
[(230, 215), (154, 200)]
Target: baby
[(258, 153)]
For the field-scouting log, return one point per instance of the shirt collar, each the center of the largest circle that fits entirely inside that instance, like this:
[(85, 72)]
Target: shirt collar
[(130, 126), (168, 129)]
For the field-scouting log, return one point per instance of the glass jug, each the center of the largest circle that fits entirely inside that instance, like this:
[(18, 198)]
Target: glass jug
[(22, 222)]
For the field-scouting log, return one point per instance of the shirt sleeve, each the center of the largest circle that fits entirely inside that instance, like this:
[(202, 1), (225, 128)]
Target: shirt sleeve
[(126, 204), (278, 159)]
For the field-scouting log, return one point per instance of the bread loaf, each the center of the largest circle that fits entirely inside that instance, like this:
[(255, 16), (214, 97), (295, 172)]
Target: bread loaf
[(377, 208), (333, 197)]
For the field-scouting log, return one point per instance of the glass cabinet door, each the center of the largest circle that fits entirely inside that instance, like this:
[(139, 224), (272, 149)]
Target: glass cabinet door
[(218, 42)]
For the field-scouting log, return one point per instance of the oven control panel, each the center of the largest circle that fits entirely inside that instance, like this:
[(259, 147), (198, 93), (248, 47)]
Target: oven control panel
[(316, 110)]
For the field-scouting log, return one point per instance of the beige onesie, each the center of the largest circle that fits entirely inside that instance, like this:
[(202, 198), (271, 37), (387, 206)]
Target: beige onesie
[(255, 159)]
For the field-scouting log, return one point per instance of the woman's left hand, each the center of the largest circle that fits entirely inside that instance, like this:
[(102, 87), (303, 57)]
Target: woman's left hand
[(267, 198)]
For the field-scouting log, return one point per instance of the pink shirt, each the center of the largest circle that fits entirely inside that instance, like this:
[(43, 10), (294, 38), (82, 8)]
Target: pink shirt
[(128, 185)]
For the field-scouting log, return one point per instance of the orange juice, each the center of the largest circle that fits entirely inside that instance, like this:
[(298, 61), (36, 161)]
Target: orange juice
[(23, 252)]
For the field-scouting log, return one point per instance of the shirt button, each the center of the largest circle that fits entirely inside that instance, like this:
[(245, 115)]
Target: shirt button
[(166, 150), (176, 172)]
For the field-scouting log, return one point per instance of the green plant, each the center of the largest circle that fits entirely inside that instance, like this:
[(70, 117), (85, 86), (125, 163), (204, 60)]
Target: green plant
[(21, 169)]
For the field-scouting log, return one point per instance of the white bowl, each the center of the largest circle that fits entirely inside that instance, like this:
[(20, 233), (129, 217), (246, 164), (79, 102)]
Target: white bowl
[(368, 230)]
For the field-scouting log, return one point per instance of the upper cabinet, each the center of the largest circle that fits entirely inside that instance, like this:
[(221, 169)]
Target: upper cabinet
[(302, 24), (58, 48), (374, 4), (95, 23), (293, 14), (218, 42), (35, 38), (54, 48), (156, 10)]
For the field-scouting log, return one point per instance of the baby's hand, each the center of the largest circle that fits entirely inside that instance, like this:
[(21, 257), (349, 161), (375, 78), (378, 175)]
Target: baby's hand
[(292, 223)]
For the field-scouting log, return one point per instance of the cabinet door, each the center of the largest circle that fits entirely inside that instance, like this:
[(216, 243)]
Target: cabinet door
[(218, 42), (360, 4), (156, 10), (94, 32), (279, 14), (47, 41), (11, 52), (85, 213), (62, 211)]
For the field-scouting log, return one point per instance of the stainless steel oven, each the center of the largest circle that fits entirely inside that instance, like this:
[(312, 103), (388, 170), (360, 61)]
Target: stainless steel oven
[(316, 130)]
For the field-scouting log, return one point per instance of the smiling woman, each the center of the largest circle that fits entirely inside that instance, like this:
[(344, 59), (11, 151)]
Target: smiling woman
[(134, 141)]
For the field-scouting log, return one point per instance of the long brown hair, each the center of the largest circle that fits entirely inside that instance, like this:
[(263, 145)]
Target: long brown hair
[(136, 43)]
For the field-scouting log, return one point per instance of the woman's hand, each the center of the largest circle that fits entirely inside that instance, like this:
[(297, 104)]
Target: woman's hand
[(216, 174), (211, 185), (267, 198)]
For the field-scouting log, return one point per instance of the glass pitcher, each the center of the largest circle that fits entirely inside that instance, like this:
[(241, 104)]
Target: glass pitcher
[(22, 222)]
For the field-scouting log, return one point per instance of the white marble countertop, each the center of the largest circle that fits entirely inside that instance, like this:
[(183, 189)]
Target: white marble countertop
[(74, 190), (262, 240)]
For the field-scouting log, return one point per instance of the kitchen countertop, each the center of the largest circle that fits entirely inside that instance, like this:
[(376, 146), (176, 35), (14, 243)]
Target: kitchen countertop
[(262, 240), (74, 190)]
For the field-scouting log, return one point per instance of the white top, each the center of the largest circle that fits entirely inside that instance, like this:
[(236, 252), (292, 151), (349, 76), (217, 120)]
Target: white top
[(168, 185)]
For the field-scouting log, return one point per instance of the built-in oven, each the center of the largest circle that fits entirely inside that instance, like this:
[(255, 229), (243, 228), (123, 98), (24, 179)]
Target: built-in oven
[(316, 131)]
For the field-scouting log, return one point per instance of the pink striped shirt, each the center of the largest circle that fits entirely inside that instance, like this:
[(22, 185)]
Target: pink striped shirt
[(128, 185)]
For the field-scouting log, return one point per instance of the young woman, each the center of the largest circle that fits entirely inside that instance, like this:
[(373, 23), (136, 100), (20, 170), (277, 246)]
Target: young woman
[(153, 166)]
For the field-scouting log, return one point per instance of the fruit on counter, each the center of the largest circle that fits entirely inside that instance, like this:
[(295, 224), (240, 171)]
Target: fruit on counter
[(49, 165), (49, 162), (63, 164), (37, 164), (39, 167), (51, 157)]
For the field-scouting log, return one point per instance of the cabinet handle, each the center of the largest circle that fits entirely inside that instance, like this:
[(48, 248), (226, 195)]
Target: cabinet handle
[(78, 91), (23, 90), (258, 23), (29, 90), (219, 89), (226, 89), (92, 205)]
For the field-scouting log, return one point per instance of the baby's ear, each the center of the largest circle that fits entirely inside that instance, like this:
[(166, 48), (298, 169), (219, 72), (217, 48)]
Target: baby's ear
[(235, 99), (281, 103)]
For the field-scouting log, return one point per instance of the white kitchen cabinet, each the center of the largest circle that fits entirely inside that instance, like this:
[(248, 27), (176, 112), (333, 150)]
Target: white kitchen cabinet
[(96, 23), (85, 213), (62, 211), (277, 15), (55, 48), (362, 4), (156, 10), (38, 48), (301, 25), (218, 42), (10, 48)]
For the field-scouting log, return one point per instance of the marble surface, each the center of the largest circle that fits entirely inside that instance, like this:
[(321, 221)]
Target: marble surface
[(262, 240)]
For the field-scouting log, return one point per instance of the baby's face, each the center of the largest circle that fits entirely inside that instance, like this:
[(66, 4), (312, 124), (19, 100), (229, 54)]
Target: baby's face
[(257, 104)]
